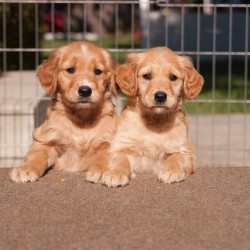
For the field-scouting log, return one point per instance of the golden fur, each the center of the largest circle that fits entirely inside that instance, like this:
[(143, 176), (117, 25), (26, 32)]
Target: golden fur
[(81, 121), (152, 132)]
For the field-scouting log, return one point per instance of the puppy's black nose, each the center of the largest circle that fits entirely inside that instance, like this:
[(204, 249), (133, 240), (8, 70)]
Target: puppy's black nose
[(160, 96), (85, 91)]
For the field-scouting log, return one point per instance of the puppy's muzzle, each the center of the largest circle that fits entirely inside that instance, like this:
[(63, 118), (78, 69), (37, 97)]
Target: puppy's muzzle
[(160, 96), (84, 91)]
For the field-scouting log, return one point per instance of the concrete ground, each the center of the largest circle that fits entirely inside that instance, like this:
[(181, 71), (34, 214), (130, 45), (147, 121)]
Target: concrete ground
[(61, 211), (221, 140)]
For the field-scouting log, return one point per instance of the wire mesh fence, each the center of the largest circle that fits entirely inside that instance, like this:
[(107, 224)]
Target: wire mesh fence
[(216, 36)]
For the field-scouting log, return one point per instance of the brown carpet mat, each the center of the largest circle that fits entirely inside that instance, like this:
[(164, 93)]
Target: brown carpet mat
[(210, 210)]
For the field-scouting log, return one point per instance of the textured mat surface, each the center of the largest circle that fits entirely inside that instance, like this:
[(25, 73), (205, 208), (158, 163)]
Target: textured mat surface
[(210, 210)]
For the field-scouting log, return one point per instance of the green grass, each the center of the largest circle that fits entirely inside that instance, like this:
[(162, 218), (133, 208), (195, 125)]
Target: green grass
[(215, 108)]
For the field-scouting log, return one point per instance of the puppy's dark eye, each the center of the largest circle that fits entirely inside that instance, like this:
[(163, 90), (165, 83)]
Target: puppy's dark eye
[(97, 71), (71, 70), (147, 76), (173, 77)]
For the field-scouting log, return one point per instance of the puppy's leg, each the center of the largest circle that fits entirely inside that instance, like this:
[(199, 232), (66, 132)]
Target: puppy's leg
[(38, 159), (119, 172), (177, 168), (99, 165)]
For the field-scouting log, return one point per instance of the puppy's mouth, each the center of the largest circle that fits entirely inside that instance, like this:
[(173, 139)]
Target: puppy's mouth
[(158, 107), (84, 102), (154, 105)]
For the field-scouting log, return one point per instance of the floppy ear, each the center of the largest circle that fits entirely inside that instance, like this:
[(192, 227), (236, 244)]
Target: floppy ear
[(47, 73), (193, 81), (126, 78), (111, 65), (114, 86)]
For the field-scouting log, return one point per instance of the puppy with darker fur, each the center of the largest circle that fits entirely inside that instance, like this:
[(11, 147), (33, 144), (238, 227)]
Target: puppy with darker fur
[(81, 120), (152, 132)]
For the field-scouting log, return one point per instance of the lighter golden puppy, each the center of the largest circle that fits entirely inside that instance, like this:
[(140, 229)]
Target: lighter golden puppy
[(152, 132), (81, 121)]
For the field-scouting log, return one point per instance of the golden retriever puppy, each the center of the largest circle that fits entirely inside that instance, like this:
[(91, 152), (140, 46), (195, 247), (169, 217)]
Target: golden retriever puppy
[(152, 132), (80, 121)]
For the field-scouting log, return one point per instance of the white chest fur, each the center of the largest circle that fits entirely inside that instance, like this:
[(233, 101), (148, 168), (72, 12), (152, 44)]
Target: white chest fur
[(148, 148)]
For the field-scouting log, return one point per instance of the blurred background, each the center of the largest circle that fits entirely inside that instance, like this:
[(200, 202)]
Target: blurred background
[(214, 33)]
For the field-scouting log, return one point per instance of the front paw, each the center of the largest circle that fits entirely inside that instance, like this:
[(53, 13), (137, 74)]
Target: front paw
[(24, 174), (93, 176), (167, 176), (115, 178)]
